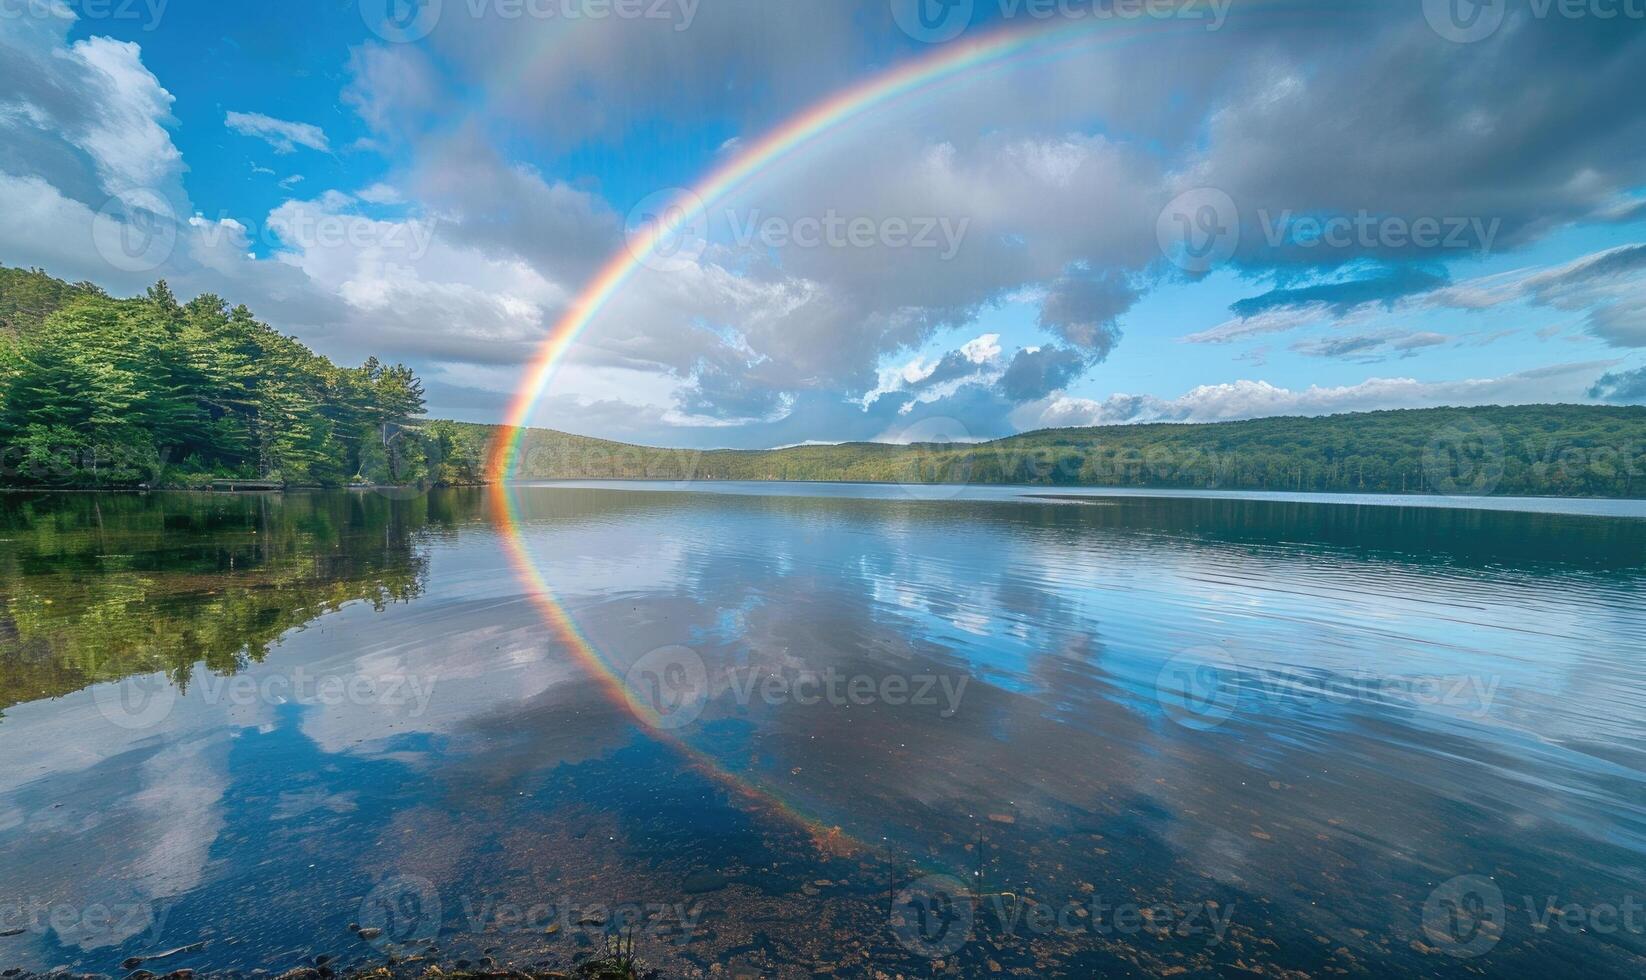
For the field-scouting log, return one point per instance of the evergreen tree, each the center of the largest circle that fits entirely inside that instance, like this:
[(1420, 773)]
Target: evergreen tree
[(97, 391)]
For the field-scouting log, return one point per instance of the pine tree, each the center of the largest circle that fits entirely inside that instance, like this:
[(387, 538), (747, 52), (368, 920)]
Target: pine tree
[(101, 391)]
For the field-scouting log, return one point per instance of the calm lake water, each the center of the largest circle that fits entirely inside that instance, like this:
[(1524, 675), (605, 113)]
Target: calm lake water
[(823, 729)]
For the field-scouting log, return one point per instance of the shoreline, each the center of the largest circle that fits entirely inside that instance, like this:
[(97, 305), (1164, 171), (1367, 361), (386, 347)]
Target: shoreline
[(1066, 491)]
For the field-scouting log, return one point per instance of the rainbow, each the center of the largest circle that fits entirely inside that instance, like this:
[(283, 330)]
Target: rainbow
[(919, 76)]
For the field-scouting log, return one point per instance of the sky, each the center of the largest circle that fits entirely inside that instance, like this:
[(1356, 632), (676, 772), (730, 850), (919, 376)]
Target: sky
[(1172, 210)]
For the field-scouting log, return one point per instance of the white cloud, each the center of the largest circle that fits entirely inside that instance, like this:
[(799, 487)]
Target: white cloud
[(86, 120), (93, 96), (1376, 345), (416, 290), (379, 193), (43, 228), (982, 350), (1608, 287), (283, 135), (1281, 320), (1257, 399), (128, 140), (393, 88)]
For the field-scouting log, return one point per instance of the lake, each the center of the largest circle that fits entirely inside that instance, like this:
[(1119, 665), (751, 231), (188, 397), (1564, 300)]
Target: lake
[(787, 730)]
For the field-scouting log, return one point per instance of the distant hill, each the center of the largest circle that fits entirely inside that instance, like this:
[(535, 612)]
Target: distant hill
[(1556, 450)]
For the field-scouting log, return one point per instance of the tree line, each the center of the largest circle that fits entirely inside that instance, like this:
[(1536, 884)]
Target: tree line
[(1543, 450), (104, 392), (97, 391)]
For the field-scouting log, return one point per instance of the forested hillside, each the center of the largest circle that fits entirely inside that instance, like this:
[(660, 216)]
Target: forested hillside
[(105, 392), (1579, 450)]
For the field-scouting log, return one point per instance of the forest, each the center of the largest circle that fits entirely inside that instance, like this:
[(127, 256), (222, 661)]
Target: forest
[(97, 391), (1540, 450)]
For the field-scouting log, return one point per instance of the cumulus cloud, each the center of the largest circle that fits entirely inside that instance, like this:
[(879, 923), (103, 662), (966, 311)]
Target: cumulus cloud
[(408, 286), (589, 77), (511, 210), (283, 135), (1450, 133), (975, 361), (88, 113), (1257, 399), (1624, 387), (128, 139), (87, 120), (976, 376), (1037, 372), (83, 131), (828, 318), (46, 229), (725, 388), (981, 350), (1083, 310)]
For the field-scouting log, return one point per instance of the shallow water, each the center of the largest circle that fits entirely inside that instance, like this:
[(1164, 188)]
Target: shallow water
[(824, 726)]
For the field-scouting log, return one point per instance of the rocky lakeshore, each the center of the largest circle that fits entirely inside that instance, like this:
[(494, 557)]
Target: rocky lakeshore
[(604, 968)]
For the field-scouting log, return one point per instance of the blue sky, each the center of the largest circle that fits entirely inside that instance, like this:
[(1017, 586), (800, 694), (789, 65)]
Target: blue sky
[(439, 195)]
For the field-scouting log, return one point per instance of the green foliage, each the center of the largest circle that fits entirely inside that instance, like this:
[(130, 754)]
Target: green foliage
[(28, 295), (101, 392)]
